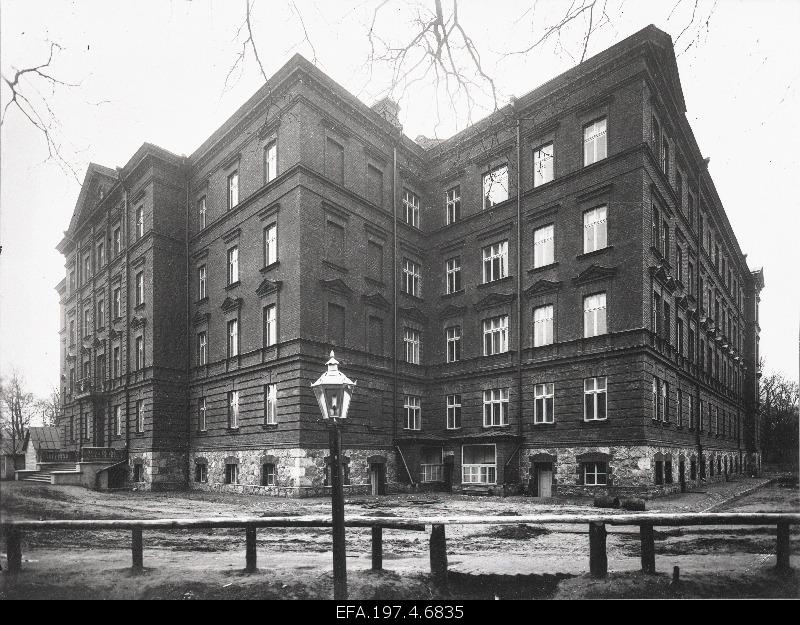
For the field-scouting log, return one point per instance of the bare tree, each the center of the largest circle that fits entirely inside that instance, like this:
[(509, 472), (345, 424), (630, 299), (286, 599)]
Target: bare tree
[(779, 419), (49, 407), (17, 408)]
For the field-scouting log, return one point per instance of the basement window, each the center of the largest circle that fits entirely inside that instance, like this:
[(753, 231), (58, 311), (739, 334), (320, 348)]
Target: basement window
[(595, 473), (138, 472), (201, 473), (231, 473)]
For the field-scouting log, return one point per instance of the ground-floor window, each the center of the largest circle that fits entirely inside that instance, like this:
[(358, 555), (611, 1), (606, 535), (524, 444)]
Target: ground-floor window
[(231, 473), (479, 464), (693, 469), (595, 473), (201, 472), (659, 472), (430, 464), (668, 471), (138, 472), (268, 474)]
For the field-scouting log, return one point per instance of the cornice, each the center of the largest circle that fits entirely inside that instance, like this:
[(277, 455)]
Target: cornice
[(336, 285), (376, 300), (231, 303), (268, 287), (495, 299), (594, 273)]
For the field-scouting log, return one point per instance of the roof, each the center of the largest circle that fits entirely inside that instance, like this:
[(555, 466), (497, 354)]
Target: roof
[(43, 438)]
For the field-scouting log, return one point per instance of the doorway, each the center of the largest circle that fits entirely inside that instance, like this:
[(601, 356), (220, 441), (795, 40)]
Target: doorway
[(682, 474), (543, 479), (99, 428), (377, 479)]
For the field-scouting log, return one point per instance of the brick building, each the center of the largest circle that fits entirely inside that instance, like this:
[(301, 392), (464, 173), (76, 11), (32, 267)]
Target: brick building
[(551, 299)]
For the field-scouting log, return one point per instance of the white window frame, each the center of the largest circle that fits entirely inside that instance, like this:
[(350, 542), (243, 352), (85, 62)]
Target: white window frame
[(270, 245), (411, 342), (139, 222), (411, 208), (543, 164), (101, 313), (139, 346), (233, 337), (595, 141), (235, 477), (495, 407), (412, 277), (139, 416), (201, 282), (117, 303), (493, 180), (233, 410), (118, 420), (271, 161), (596, 473), (453, 274), (140, 288), (544, 410), (495, 335), (595, 387), (453, 202), (117, 238), (271, 404), (233, 265), (595, 318), (543, 325), (233, 189), (411, 405), (272, 325), (486, 473), (595, 229), (202, 415), (202, 211), (454, 412), (453, 338), (495, 261), (116, 360), (544, 246), (202, 348)]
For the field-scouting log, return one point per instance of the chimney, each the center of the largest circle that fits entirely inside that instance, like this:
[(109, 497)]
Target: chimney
[(388, 109)]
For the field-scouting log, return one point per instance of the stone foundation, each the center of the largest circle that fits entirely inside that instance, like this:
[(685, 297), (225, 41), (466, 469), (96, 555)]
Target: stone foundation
[(162, 470)]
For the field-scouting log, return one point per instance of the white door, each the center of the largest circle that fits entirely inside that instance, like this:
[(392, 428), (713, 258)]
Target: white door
[(545, 482), (374, 480)]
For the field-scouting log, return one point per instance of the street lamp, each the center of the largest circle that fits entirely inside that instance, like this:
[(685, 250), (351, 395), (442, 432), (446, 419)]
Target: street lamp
[(334, 390)]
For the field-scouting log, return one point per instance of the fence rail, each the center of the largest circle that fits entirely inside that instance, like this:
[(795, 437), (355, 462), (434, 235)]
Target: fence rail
[(57, 455), (598, 560), (104, 454)]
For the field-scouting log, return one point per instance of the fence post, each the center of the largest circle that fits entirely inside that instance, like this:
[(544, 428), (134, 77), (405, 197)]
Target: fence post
[(136, 549), (647, 536), (782, 563), (598, 560), (14, 550), (377, 548), (438, 553), (250, 549)]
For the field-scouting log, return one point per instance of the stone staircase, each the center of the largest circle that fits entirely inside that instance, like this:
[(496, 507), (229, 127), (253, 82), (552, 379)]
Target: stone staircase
[(44, 473)]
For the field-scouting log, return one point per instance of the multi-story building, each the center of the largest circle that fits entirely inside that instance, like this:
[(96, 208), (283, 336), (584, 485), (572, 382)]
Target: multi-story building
[(553, 298)]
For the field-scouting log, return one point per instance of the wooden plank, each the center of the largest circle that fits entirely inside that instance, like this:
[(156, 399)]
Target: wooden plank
[(648, 554), (14, 550), (377, 548), (438, 546), (783, 551), (598, 559), (137, 549), (250, 549)]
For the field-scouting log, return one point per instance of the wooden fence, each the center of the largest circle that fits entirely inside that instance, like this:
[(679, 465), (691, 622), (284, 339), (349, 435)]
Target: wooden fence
[(598, 561)]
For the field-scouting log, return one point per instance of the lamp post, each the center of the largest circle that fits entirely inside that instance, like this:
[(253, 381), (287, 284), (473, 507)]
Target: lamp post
[(334, 390)]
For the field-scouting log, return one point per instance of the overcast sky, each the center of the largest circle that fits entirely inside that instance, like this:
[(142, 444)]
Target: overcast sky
[(156, 71)]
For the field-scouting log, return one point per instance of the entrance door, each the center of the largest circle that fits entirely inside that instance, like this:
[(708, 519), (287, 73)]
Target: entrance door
[(100, 428), (682, 474), (376, 479), (545, 481)]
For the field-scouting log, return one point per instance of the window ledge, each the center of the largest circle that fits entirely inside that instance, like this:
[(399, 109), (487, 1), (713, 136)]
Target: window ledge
[(232, 285), (269, 426), (201, 432), (497, 427), (545, 424), (494, 283), (453, 294), (201, 301), (414, 297), (595, 420), (594, 252), (270, 267), (232, 430), (453, 429), (543, 268), (138, 433)]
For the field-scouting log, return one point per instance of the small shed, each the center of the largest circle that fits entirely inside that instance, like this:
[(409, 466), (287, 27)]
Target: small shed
[(39, 438), (10, 461)]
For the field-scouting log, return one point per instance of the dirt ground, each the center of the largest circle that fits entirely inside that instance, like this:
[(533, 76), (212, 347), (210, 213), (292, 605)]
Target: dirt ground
[(508, 561)]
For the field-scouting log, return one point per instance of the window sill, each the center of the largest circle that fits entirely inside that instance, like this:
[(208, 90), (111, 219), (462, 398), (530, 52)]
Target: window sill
[(201, 301), (543, 268), (139, 307), (493, 283), (269, 426), (595, 420), (544, 423), (458, 429), (232, 285), (201, 432), (453, 294), (595, 252), (497, 427), (138, 434), (270, 267), (232, 430)]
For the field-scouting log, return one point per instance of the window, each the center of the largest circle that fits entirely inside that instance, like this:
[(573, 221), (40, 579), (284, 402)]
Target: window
[(453, 201), (495, 407), (665, 239), (139, 222), (594, 399), (140, 288), (495, 335), (202, 344), (595, 235), (594, 315), (454, 274), (543, 325), (679, 189), (665, 156), (270, 325), (495, 261), (201, 282), (375, 260), (411, 208), (663, 402), (271, 404), (117, 303), (115, 362), (412, 278), (543, 248), (334, 240), (101, 313), (679, 263), (413, 416), (71, 281), (543, 165), (495, 186), (679, 337), (375, 338), (118, 420), (270, 244), (201, 472), (594, 142), (374, 185), (72, 332), (691, 413), (655, 227), (139, 353), (117, 238), (453, 412), (233, 410), (336, 324), (231, 473), (655, 137), (202, 424), (87, 268), (595, 473), (85, 426), (478, 464), (201, 212), (411, 342), (233, 338), (140, 415), (268, 474), (453, 343), (233, 189), (138, 472), (101, 255), (233, 265), (334, 161), (543, 403), (270, 162)]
